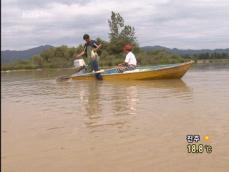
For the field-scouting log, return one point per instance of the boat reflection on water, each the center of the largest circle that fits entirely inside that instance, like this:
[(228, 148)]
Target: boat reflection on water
[(157, 88), (110, 103), (173, 84)]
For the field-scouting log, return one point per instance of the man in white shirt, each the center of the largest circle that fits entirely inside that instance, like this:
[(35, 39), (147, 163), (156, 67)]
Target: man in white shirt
[(130, 61)]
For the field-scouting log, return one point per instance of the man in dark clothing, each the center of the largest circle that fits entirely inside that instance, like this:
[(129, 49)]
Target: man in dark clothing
[(90, 48)]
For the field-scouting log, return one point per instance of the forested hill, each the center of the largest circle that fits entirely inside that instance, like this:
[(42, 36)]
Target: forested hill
[(9, 56)]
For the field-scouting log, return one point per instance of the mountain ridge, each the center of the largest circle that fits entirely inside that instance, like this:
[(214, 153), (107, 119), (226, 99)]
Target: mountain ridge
[(188, 52), (8, 56)]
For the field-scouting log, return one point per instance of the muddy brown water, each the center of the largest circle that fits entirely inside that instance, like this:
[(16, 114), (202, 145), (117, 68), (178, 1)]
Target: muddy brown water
[(115, 126)]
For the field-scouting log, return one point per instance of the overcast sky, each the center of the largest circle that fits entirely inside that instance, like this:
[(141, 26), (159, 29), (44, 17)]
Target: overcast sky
[(172, 23)]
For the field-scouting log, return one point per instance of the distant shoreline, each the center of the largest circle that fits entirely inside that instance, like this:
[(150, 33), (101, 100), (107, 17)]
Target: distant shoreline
[(38, 69), (207, 61)]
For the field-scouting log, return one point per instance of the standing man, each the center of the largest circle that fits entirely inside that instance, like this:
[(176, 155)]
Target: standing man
[(90, 48)]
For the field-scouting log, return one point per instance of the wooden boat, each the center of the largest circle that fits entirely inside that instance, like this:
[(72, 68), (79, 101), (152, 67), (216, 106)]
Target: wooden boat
[(168, 71)]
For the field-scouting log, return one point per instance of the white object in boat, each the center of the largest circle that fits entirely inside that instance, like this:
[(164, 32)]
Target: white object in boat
[(132, 71), (79, 63)]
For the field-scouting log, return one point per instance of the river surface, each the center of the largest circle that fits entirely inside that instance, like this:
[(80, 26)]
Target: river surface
[(115, 126)]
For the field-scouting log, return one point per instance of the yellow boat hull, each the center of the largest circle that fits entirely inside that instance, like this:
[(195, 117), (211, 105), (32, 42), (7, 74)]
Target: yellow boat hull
[(167, 72)]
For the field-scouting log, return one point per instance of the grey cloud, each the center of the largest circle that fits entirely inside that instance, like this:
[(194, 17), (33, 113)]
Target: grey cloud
[(172, 23), (26, 4)]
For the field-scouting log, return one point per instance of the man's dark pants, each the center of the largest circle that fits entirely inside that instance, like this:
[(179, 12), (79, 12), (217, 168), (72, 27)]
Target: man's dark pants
[(95, 67)]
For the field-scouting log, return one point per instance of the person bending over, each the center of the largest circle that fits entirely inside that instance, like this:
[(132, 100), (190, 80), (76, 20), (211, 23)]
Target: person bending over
[(90, 48)]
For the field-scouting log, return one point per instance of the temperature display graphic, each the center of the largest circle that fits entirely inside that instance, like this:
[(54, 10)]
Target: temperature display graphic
[(195, 147)]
